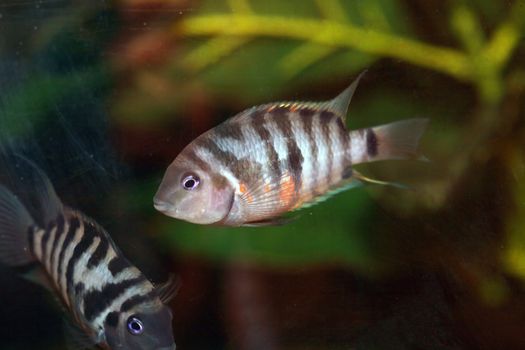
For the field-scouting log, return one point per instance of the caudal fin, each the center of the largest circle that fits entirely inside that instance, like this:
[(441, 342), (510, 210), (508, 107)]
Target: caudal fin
[(397, 140), (15, 222)]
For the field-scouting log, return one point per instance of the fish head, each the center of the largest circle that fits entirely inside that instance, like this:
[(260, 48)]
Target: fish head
[(187, 192), (147, 327)]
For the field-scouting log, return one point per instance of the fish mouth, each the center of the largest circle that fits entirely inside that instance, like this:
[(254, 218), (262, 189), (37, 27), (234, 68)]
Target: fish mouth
[(162, 206), (173, 211)]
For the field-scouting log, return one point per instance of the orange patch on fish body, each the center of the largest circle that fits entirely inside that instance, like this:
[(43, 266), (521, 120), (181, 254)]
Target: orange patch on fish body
[(287, 191), (242, 188), (244, 192)]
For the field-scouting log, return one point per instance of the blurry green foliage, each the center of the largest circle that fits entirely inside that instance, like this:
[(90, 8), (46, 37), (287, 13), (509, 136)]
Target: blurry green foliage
[(267, 48), (34, 101), (514, 257), (278, 61), (371, 28)]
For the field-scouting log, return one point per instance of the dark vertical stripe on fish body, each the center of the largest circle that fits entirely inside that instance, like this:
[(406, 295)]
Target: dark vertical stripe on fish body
[(74, 225), (227, 159), (79, 288), (135, 300), (230, 130), (85, 242), (218, 180), (58, 234), (307, 118), (258, 124), (325, 118), (117, 265), (281, 118), (112, 319), (344, 141), (100, 252), (371, 143), (295, 160), (209, 144), (344, 136), (198, 161), (95, 302)]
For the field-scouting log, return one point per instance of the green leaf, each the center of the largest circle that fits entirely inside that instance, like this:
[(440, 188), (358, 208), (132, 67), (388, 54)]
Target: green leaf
[(261, 67)]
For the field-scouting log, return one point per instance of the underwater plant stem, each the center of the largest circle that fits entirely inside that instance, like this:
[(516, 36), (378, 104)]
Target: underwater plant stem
[(331, 33), (507, 36), (497, 52)]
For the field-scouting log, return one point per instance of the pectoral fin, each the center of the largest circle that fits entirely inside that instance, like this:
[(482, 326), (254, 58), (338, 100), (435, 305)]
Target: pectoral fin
[(169, 289)]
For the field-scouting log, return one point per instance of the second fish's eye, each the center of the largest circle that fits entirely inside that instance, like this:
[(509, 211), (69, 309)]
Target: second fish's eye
[(190, 182), (135, 326)]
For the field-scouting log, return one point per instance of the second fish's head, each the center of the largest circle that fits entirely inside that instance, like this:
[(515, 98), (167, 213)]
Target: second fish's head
[(148, 326), (193, 190)]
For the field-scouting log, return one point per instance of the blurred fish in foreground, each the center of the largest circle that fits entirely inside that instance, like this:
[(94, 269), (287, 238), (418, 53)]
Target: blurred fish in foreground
[(111, 302), (276, 158)]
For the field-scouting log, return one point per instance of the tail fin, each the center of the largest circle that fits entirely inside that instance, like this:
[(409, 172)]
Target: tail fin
[(14, 224), (397, 140)]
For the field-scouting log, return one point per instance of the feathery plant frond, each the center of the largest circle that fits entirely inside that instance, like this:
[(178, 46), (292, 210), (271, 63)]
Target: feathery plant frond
[(309, 53), (480, 61), (216, 48)]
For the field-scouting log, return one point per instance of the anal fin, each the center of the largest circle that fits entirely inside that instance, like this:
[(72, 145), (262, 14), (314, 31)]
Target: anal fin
[(342, 186), (356, 179), (366, 180), (277, 221)]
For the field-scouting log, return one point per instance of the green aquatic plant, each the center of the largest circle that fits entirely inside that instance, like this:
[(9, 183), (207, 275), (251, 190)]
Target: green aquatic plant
[(481, 61)]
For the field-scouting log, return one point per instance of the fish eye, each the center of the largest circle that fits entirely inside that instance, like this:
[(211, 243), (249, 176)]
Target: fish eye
[(135, 325), (190, 182)]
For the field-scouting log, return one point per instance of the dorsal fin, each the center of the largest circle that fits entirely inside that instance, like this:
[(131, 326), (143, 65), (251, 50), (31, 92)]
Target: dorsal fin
[(49, 205), (169, 289), (340, 103)]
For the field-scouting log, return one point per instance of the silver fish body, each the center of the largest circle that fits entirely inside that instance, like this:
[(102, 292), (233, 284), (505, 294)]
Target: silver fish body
[(274, 158), (109, 299)]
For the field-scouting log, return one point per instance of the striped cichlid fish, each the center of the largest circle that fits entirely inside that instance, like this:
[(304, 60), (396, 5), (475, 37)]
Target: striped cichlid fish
[(111, 303), (275, 158)]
